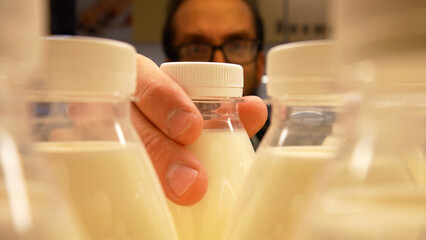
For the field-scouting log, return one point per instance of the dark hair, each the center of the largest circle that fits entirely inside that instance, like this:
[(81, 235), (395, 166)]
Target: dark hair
[(169, 34)]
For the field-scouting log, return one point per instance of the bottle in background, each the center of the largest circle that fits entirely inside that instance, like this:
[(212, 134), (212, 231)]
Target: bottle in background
[(81, 118), (377, 190), (31, 205), (224, 147), (302, 138)]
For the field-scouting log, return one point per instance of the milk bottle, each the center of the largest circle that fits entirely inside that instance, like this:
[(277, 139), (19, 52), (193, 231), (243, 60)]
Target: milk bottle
[(31, 205), (376, 190), (300, 141), (223, 148), (84, 130)]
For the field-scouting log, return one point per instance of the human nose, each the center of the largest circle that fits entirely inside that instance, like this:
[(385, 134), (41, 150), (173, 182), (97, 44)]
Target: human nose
[(218, 56)]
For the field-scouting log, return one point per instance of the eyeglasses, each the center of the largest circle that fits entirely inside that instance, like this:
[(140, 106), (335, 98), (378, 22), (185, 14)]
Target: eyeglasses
[(240, 51)]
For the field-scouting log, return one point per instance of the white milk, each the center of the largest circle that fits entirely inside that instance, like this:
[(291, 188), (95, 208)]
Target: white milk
[(276, 192), (227, 157), (44, 220), (112, 187), (416, 162), (371, 214)]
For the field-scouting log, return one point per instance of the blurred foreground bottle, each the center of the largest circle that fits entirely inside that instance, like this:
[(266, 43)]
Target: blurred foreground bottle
[(31, 205), (301, 140), (82, 123), (224, 147), (377, 187)]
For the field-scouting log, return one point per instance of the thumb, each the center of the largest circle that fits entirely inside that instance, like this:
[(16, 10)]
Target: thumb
[(182, 176)]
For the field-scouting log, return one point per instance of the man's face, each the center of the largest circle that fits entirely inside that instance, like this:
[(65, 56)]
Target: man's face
[(215, 22)]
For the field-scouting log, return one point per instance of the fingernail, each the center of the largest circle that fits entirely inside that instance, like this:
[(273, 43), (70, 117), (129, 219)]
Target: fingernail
[(180, 178), (178, 122)]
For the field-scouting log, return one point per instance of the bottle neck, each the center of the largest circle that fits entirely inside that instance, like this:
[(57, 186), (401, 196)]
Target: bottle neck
[(68, 116), (13, 110), (219, 113), (302, 121), (395, 119), (314, 109)]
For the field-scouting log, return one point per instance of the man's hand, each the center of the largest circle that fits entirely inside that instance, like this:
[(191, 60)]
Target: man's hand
[(166, 120)]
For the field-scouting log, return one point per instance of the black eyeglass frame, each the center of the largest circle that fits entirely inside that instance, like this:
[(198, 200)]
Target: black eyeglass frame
[(220, 47)]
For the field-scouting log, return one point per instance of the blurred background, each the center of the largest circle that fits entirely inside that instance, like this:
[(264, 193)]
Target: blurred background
[(139, 22)]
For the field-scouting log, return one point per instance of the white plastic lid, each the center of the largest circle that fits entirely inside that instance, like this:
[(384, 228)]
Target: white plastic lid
[(76, 63), (301, 68), (380, 25), (207, 79), (21, 25), (383, 43)]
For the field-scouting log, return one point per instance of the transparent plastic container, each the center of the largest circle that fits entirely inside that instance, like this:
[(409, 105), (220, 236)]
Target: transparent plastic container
[(301, 140), (81, 119), (376, 188), (223, 148), (31, 205)]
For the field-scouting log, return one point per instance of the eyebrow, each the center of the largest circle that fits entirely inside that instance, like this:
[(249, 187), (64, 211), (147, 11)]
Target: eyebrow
[(194, 38), (239, 35), (191, 38)]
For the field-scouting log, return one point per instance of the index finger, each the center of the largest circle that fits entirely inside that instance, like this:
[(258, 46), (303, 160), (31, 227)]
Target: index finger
[(165, 103), (253, 114)]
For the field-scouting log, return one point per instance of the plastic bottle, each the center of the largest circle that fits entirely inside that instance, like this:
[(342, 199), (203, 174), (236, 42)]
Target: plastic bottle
[(301, 140), (224, 147), (376, 190), (82, 122), (31, 205)]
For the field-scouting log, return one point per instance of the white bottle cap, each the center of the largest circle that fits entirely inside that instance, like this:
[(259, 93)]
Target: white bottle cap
[(21, 25), (383, 44), (207, 79), (301, 68), (75, 63), (380, 25)]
